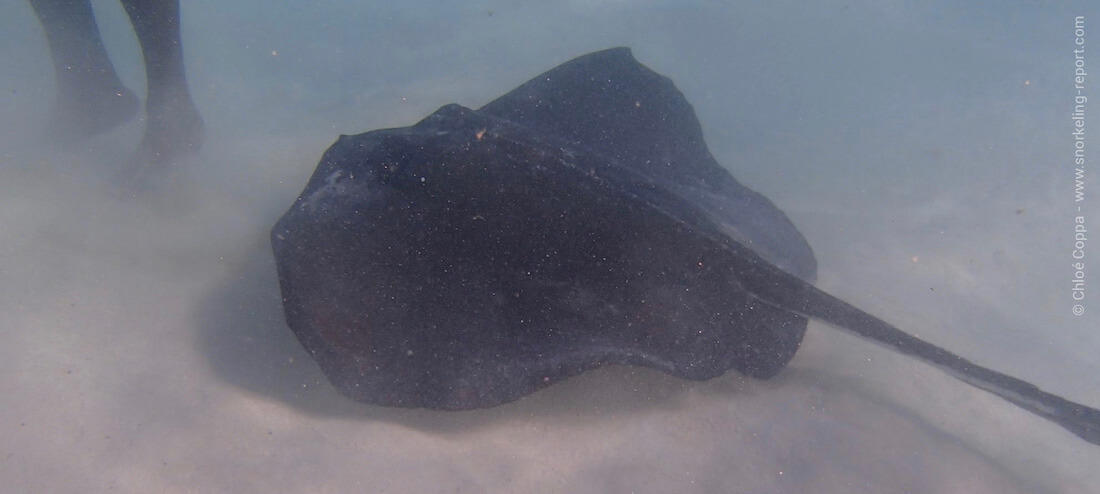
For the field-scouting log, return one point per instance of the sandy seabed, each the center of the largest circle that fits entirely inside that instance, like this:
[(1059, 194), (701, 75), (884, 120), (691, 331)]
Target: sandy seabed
[(143, 343)]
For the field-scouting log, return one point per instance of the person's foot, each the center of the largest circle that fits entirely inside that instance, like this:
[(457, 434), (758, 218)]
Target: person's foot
[(89, 110), (173, 130)]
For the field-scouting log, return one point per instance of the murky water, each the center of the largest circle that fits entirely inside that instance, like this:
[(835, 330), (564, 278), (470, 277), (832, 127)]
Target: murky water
[(925, 152)]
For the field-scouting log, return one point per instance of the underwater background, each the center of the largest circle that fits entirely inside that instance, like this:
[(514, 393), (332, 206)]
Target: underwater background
[(925, 151)]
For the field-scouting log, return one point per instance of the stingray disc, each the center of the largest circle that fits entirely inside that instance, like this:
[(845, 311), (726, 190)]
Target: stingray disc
[(577, 221)]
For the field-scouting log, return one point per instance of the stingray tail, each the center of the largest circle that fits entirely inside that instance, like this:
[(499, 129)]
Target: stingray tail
[(1079, 419)]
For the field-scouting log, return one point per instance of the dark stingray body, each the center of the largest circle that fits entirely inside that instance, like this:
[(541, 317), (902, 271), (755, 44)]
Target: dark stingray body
[(578, 221)]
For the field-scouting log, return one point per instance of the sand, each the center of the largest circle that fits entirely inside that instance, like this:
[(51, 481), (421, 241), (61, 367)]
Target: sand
[(923, 154)]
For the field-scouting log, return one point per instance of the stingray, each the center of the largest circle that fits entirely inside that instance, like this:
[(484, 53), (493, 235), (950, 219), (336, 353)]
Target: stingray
[(575, 222)]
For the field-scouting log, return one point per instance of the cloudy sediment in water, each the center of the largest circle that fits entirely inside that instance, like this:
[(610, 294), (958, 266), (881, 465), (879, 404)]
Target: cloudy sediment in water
[(925, 154)]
